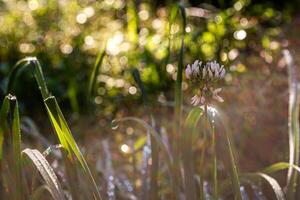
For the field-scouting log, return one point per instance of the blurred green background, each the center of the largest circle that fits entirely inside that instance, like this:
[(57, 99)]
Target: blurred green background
[(67, 35)]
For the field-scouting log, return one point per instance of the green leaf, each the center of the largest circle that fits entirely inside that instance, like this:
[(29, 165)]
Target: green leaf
[(95, 71)]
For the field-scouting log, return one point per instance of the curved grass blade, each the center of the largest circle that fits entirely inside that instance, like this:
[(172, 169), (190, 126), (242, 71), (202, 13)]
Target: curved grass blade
[(36, 69), (274, 184), (46, 172), (278, 167), (97, 65), (293, 125), (14, 73)]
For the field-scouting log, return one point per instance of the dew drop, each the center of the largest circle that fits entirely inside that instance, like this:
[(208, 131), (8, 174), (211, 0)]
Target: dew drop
[(114, 124)]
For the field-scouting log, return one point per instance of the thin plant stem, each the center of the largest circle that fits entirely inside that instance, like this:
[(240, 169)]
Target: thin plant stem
[(202, 158), (215, 172)]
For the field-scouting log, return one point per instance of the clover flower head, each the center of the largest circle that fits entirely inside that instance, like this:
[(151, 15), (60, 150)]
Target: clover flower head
[(193, 71), (206, 76)]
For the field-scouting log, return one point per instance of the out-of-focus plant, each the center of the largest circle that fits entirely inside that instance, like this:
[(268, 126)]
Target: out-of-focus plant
[(67, 36)]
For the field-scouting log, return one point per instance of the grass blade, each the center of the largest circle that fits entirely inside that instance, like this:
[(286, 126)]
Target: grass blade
[(56, 117), (46, 172), (274, 184), (36, 69), (14, 73), (233, 167), (11, 145), (153, 193), (178, 110), (178, 83), (97, 65), (187, 152), (3, 126), (278, 167), (293, 126), (66, 139)]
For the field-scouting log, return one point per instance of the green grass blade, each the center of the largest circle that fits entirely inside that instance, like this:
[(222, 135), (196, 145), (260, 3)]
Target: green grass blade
[(14, 73), (11, 145), (39, 76), (3, 126), (16, 141), (293, 126), (178, 108), (278, 167), (36, 69), (193, 118), (178, 83), (97, 66), (66, 139), (46, 172)]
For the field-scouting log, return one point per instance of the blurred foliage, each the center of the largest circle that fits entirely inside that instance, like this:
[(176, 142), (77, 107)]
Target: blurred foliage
[(67, 35)]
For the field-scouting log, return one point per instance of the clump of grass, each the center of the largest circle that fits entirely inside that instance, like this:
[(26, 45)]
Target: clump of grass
[(175, 164), (57, 119)]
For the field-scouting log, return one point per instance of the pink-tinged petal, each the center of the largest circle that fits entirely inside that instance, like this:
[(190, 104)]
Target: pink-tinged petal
[(202, 101), (216, 91), (204, 72), (210, 73), (218, 98), (195, 100), (196, 72), (194, 65), (188, 72), (222, 73)]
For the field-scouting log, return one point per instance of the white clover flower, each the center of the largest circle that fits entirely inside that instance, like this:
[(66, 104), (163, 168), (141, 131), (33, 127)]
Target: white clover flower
[(207, 76), (215, 95), (194, 70), (197, 100)]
